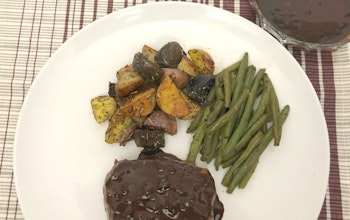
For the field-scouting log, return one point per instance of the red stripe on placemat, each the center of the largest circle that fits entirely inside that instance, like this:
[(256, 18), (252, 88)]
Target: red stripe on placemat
[(65, 32), (110, 6), (228, 5), (37, 43), (95, 10), (82, 11), (246, 10), (312, 70), (323, 213), (217, 3), (53, 27), (330, 114)]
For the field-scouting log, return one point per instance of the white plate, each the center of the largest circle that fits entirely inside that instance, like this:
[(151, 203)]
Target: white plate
[(60, 156)]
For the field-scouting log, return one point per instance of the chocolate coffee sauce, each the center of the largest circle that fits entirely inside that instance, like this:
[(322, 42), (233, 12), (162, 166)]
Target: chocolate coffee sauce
[(314, 21)]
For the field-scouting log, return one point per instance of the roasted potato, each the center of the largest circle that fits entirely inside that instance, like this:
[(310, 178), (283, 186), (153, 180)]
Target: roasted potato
[(149, 71), (203, 61), (197, 89), (121, 128), (128, 81), (193, 107), (170, 100), (169, 55), (139, 104), (187, 65), (149, 53), (160, 120), (180, 78), (103, 107)]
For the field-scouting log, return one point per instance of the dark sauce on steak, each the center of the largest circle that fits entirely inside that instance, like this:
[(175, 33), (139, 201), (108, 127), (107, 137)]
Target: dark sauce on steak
[(160, 186), (314, 21)]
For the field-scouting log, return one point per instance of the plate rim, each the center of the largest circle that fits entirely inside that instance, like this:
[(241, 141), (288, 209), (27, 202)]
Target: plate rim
[(144, 6)]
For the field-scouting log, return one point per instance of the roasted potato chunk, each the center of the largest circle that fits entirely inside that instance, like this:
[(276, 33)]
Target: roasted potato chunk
[(127, 83), (149, 71), (193, 107), (139, 104), (180, 78), (187, 65), (149, 53), (120, 128), (170, 100), (160, 120), (169, 55), (203, 61), (103, 107)]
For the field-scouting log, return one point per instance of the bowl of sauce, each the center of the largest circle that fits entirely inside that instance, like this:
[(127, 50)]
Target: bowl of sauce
[(309, 24)]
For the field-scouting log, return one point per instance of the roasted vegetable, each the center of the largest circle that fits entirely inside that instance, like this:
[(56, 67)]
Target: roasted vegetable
[(179, 77), (103, 107), (149, 53), (187, 65), (149, 71), (160, 120), (193, 107), (150, 140), (139, 104), (198, 87), (128, 81), (203, 61), (121, 127), (111, 90), (169, 55), (170, 100)]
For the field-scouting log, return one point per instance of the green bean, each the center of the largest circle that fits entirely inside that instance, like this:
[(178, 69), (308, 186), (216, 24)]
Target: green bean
[(218, 87), (233, 67), (215, 113), (254, 156), (243, 156), (200, 132), (227, 79), (211, 96), (230, 114), (263, 103), (246, 137), (214, 144), (206, 147), (275, 112), (252, 144), (231, 160), (247, 176), (240, 78), (250, 75), (248, 109), (198, 119)]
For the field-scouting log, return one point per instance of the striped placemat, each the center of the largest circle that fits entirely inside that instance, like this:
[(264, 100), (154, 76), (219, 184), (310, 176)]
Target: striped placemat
[(32, 30)]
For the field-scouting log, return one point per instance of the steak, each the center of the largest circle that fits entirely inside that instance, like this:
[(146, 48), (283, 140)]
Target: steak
[(160, 186)]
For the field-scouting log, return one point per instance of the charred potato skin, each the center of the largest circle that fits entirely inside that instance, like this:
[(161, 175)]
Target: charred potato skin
[(149, 71), (169, 55), (103, 108)]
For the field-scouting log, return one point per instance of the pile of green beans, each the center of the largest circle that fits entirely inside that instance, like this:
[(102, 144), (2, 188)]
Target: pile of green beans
[(240, 118)]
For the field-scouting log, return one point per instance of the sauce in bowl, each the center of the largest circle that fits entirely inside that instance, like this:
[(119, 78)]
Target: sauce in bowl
[(312, 21)]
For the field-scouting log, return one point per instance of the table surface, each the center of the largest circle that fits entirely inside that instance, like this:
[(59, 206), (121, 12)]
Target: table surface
[(32, 30)]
